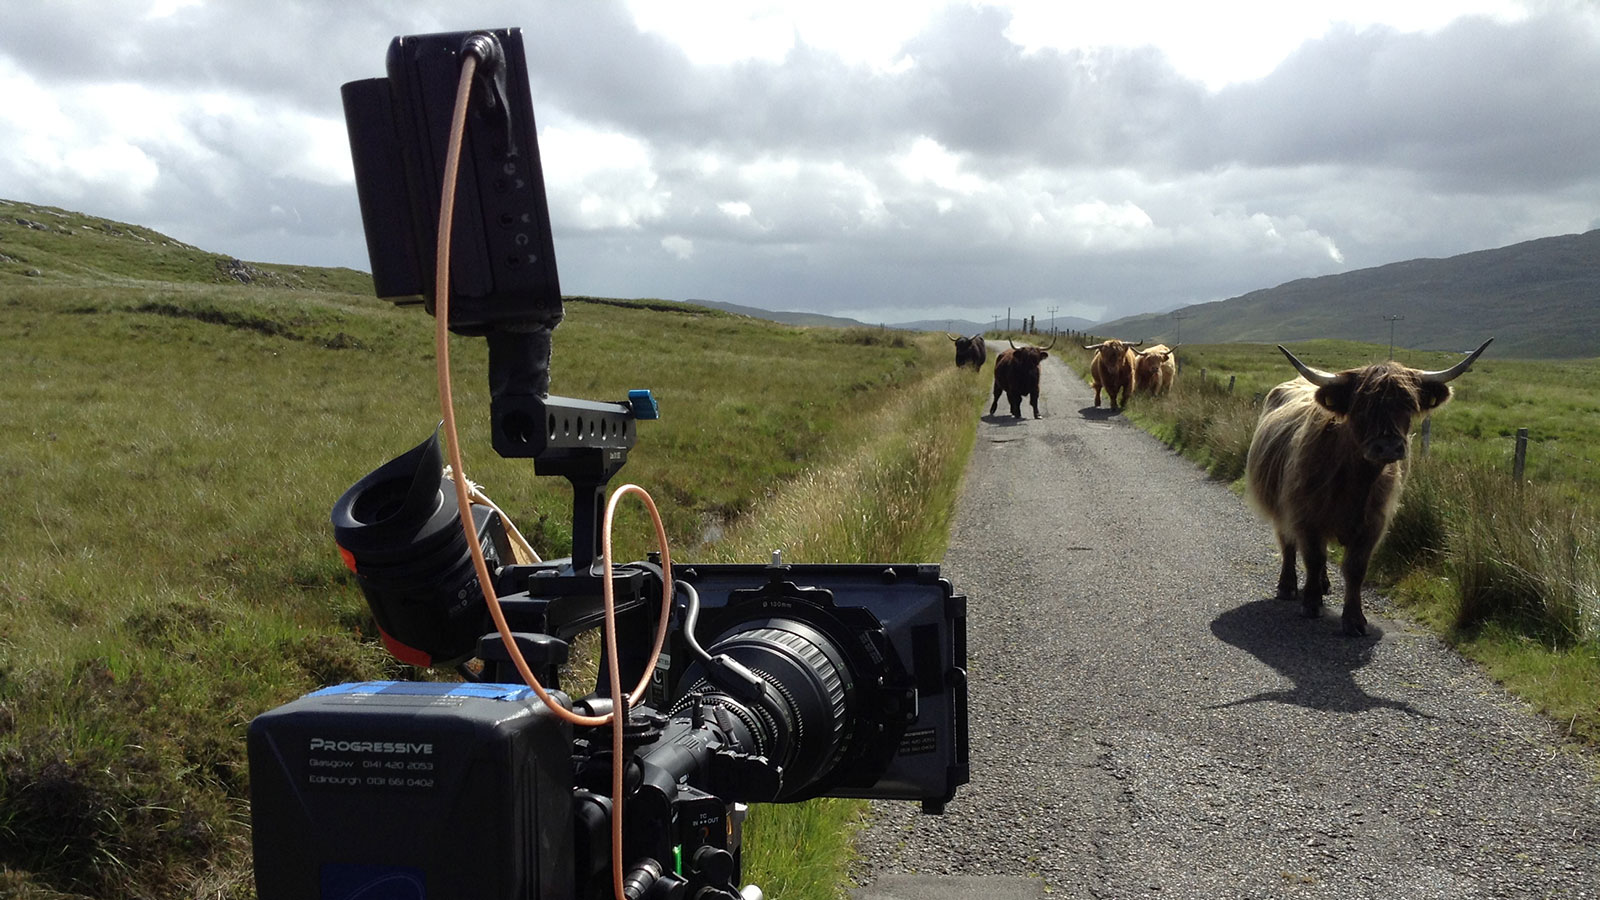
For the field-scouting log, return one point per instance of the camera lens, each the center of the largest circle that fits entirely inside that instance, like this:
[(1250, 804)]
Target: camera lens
[(800, 723)]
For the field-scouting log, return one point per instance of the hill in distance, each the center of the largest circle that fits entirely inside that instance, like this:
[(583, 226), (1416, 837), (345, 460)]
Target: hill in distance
[(962, 326), (949, 326), (1537, 299), (50, 244)]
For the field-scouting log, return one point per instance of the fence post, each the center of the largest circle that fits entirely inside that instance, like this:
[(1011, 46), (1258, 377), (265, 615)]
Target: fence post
[(1427, 433), (1230, 382), (1519, 461)]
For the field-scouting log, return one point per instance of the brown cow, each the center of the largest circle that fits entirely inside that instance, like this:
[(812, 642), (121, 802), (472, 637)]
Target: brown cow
[(1112, 369), (1154, 370), (969, 350), (1016, 372), (1328, 463)]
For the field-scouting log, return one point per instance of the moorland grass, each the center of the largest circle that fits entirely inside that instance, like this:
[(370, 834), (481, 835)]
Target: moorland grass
[(1508, 572), (167, 571)]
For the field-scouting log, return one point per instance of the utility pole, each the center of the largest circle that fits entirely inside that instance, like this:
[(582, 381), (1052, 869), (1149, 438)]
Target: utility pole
[(1008, 318), (1053, 319), (1392, 320), (1178, 318)]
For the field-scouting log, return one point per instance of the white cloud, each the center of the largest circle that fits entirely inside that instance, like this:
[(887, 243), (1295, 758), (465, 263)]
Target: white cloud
[(928, 161), (1227, 42), (600, 179), (724, 31), (83, 144), (679, 246)]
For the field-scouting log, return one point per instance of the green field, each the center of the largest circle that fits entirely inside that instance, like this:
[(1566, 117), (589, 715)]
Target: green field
[(1507, 570), (178, 438)]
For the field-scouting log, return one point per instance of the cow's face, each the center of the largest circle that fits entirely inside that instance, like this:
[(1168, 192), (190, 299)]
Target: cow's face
[(1029, 356), (1379, 402), (1150, 363), (1111, 351)]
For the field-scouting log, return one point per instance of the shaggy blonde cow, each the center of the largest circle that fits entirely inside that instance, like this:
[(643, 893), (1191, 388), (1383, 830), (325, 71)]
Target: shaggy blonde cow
[(1154, 370), (1112, 370), (1328, 463)]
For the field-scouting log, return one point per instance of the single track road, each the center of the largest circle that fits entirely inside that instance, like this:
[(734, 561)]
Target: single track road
[(1148, 723)]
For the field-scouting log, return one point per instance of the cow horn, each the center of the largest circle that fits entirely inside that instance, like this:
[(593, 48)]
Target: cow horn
[(1013, 346), (1315, 376), (1444, 375), (951, 336), (1052, 341), (1095, 347)]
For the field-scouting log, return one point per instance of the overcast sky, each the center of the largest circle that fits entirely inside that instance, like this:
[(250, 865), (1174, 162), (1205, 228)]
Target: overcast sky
[(889, 161)]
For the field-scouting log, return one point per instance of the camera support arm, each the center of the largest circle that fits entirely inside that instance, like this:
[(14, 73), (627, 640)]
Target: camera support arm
[(585, 441)]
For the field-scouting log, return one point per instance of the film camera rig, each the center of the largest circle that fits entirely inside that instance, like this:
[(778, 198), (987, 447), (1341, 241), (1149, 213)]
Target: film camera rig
[(774, 683)]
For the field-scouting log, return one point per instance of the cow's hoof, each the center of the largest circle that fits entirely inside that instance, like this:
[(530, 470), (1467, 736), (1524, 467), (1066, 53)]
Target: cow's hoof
[(1284, 593), (1356, 625), (1037, 416), (1311, 609)]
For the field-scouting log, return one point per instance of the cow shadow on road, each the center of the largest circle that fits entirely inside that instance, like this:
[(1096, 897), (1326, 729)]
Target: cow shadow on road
[(1312, 653), (1003, 419), (1098, 413)]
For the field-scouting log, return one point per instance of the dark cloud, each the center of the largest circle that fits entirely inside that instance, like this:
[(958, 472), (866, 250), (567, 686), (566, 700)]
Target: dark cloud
[(287, 50), (975, 90), (1478, 107)]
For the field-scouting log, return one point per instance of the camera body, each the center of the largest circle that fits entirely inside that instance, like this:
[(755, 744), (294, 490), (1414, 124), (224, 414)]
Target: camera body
[(776, 683), (477, 791)]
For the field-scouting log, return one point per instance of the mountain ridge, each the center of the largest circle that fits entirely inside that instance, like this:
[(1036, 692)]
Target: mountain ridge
[(1538, 299)]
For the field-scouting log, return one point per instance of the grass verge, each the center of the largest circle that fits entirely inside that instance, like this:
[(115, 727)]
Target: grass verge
[(891, 499)]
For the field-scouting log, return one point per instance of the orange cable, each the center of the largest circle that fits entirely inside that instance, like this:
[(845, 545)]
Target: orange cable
[(620, 702)]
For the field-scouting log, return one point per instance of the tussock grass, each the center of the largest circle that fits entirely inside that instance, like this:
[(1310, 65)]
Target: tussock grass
[(1520, 554), (888, 500)]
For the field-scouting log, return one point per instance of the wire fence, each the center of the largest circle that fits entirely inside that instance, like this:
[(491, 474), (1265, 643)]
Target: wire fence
[(1521, 440)]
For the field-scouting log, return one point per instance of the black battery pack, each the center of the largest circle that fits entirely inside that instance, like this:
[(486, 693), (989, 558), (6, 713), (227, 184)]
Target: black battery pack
[(412, 791)]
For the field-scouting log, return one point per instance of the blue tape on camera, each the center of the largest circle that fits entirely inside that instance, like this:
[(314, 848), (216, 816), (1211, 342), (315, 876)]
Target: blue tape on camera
[(479, 691)]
